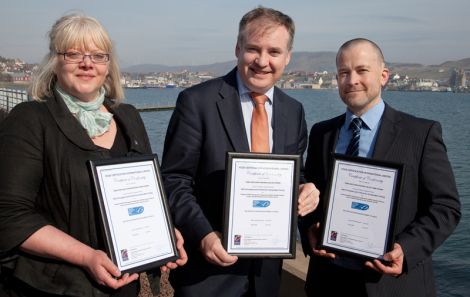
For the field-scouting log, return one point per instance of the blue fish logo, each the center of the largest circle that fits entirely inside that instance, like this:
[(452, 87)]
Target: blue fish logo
[(359, 206), (135, 210), (261, 203)]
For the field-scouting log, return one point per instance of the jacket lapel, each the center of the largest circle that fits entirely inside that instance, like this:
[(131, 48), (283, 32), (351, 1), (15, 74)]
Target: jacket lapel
[(330, 139), (68, 124), (387, 133), (231, 114), (279, 123), (124, 124), (74, 131), (386, 136)]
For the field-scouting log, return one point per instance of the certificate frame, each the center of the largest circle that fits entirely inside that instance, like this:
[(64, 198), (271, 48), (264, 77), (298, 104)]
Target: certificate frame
[(360, 208), (277, 168), (133, 209)]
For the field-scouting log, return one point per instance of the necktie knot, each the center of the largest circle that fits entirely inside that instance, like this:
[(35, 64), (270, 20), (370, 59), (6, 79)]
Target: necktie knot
[(356, 125), (258, 98)]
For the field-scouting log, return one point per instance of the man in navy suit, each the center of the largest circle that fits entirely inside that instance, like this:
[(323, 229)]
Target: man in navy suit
[(429, 207), (214, 118)]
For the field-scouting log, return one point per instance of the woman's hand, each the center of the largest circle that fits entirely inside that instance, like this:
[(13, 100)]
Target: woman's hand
[(50, 242), (104, 271), (183, 256)]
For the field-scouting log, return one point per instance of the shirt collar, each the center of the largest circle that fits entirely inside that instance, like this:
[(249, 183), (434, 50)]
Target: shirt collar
[(244, 91), (371, 118)]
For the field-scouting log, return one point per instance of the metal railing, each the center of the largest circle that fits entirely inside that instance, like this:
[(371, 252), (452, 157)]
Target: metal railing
[(11, 97)]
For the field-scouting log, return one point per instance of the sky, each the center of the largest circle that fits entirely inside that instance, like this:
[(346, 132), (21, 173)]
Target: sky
[(198, 32)]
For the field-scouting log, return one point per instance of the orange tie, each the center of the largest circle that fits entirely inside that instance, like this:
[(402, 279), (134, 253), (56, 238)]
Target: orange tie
[(259, 125)]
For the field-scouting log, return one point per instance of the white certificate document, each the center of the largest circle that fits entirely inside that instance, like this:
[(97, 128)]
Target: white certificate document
[(260, 207), (360, 208), (138, 226)]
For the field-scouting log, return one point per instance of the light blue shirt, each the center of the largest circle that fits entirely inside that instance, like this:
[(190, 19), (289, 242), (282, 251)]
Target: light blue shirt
[(247, 110), (371, 123)]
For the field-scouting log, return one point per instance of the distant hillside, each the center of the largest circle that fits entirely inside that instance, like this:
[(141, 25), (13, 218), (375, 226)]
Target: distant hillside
[(437, 72), (301, 61), (311, 62)]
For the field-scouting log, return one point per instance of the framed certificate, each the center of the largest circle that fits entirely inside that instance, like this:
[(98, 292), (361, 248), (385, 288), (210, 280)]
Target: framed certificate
[(260, 213), (134, 213), (360, 207)]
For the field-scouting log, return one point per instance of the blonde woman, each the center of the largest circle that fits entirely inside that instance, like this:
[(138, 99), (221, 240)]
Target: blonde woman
[(50, 239)]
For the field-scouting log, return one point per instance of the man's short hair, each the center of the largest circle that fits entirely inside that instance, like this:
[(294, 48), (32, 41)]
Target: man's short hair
[(270, 15), (355, 41)]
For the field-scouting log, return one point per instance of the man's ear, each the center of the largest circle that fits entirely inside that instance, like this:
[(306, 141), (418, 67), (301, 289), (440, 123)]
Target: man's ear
[(385, 75)]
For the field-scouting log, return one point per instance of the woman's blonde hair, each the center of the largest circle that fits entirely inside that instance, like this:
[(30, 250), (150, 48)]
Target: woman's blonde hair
[(75, 31)]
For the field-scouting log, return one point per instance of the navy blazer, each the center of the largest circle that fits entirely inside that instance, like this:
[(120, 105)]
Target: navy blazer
[(206, 124), (429, 207)]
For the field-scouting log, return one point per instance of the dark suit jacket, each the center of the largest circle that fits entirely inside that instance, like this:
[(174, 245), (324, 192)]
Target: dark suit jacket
[(206, 124), (44, 180), (429, 207)]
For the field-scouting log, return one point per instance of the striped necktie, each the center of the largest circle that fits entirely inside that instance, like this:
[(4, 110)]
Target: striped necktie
[(353, 147), (259, 124)]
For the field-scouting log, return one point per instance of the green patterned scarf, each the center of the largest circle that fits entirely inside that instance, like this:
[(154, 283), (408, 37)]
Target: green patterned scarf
[(95, 121)]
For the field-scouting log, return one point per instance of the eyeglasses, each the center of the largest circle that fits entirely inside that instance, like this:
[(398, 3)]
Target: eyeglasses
[(76, 57)]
